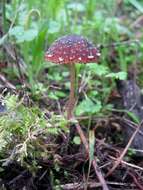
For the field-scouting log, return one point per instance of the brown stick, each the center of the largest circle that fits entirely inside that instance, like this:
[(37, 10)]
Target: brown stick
[(94, 163), (94, 185), (18, 66), (7, 83), (71, 102), (136, 181), (124, 151)]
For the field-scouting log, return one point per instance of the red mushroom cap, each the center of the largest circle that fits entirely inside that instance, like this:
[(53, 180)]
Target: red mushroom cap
[(72, 49)]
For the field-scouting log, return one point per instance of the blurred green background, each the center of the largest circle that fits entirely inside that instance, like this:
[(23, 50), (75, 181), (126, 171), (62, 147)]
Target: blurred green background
[(30, 26)]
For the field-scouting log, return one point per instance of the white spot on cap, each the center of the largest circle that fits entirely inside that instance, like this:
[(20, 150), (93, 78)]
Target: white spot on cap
[(98, 54), (49, 55), (61, 59), (90, 56), (71, 58), (79, 58), (72, 51)]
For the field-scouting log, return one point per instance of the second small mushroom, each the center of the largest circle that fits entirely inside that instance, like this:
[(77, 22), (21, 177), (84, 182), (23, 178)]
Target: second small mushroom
[(70, 50)]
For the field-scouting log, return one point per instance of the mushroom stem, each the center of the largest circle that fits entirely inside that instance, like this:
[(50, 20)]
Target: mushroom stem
[(71, 102)]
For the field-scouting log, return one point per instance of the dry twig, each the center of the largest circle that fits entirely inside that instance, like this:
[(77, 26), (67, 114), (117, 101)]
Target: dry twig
[(124, 151), (94, 163), (73, 186), (128, 164), (6, 83)]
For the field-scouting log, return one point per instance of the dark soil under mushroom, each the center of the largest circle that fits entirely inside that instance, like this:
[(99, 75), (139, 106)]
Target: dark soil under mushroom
[(72, 163)]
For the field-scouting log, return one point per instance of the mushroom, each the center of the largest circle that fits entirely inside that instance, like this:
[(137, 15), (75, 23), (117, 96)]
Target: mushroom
[(70, 50)]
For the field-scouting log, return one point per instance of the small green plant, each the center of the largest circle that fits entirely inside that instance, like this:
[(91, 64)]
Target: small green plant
[(95, 100)]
